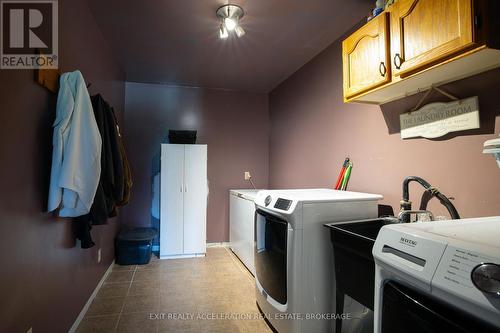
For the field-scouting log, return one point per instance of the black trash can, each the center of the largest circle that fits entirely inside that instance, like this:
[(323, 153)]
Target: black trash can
[(134, 246)]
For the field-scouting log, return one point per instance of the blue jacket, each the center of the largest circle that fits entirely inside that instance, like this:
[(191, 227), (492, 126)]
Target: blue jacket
[(76, 157)]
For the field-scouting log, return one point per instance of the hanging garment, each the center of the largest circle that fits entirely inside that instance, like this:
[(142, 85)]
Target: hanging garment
[(82, 227), (76, 155), (127, 175), (118, 175), (110, 189)]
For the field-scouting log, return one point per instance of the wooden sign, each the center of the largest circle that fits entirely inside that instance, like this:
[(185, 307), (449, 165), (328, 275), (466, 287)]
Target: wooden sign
[(437, 119)]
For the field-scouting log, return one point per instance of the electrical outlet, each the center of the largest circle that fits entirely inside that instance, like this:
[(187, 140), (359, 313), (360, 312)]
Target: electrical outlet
[(99, 256), (248, 175)]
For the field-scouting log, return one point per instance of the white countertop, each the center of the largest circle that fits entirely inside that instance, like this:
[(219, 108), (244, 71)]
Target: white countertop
[(249, 194)]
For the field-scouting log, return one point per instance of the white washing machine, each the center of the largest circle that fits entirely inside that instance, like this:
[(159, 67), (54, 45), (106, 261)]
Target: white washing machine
[(441, 276), (293, 254)]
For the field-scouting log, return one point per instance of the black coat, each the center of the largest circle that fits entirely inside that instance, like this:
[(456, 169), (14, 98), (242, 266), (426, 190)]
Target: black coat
[(110, 189), (111, 182)]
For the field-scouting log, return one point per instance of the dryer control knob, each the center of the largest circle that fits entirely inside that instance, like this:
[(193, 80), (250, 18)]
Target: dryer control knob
[(268, 200), (486, 277)]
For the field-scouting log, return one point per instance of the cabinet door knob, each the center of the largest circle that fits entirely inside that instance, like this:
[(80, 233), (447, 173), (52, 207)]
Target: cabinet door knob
[(382, 69), (398, 61)]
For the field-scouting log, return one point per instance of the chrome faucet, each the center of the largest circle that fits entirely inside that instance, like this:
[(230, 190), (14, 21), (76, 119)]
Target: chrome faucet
[(402, 216)]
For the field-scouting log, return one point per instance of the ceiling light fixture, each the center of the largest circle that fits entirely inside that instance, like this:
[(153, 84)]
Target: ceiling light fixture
[(230, 16), (230, 23), (223, 34), (239, 31)]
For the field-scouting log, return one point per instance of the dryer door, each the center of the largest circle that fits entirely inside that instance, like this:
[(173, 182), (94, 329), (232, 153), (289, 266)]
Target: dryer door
[(271, 254), (407, 310)]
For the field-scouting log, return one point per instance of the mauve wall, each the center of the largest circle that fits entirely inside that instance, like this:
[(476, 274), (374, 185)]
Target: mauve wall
[(46, 278), (312, 131), (234, 126)]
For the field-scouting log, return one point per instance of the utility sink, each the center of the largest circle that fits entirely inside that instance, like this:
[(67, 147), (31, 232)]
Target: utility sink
[(353, 260), (366, 229)]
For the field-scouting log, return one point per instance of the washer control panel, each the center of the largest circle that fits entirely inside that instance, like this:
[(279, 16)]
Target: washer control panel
[(469, 275)]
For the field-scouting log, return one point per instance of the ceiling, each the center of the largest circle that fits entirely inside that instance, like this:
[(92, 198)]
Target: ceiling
[(176, 41)]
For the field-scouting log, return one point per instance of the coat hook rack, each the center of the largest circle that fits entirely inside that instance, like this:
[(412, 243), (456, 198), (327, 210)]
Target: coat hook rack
[(48, 78)]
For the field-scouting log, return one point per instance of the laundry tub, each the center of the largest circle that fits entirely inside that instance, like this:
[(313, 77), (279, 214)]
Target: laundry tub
[(353, 261)]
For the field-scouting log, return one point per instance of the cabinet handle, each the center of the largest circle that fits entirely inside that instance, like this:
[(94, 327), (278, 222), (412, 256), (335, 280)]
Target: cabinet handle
[(398, 61), (181, 188), (382, 69), (185, 188)]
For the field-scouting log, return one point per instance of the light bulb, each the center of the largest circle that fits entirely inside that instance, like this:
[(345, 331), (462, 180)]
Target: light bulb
[(239, 31), (223, 32), (230, 23)]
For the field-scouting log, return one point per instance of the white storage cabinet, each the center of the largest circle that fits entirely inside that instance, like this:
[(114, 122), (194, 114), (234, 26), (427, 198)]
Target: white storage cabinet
[(183, 201)]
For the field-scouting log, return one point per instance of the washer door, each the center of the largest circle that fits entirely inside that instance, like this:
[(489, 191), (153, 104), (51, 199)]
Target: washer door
[(406, 310), (270, 256)]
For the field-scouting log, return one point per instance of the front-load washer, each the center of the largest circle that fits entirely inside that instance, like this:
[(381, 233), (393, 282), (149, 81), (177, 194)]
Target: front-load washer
[(293, 256), (441, 276)]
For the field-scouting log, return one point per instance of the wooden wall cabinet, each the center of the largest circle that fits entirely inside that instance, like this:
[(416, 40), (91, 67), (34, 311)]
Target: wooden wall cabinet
[(366, 57), (430, 42)]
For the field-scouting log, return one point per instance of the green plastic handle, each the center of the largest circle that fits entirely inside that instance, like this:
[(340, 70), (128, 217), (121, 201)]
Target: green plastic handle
[(346, 177)]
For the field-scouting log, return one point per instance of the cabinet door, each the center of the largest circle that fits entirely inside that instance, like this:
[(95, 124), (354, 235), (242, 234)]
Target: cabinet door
[(195, 199), (425, 32), (171, 200), (366, 57)]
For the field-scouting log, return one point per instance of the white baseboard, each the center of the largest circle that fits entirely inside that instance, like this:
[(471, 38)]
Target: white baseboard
[(183, 256), (156, 248), (218, 244), (79, 319)]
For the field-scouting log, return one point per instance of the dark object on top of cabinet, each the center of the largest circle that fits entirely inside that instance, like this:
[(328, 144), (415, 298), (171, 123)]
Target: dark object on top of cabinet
[(182, 137)]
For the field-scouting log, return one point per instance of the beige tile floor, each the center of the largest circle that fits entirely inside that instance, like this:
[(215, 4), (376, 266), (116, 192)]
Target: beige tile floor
[(145, 298)]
